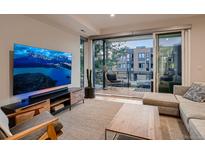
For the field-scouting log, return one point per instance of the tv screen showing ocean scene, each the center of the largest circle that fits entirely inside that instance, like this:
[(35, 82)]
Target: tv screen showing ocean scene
[(37, 68)]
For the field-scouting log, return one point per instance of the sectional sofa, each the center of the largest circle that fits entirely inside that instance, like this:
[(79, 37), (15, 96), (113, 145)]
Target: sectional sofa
[(192, 113)]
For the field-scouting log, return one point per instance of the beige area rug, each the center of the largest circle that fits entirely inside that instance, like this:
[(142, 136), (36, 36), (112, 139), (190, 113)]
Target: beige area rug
[(88, 121)]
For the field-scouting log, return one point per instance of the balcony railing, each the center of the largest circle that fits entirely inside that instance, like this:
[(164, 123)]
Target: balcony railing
[(140, 80)]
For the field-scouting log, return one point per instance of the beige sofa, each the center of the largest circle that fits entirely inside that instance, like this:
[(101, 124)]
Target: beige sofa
[(167, 103), (192, 113)]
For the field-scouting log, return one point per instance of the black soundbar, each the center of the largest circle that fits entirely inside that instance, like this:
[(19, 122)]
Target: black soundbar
[(46, 95)]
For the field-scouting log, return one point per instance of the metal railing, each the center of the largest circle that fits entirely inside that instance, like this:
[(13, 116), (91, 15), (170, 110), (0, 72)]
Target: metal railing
[(130, 79)]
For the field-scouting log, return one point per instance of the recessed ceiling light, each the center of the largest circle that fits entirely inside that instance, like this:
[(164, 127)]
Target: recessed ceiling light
[(112, 15)]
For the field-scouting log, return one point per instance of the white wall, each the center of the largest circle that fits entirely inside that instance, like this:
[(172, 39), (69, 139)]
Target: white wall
[(197, 40), (25, 30)]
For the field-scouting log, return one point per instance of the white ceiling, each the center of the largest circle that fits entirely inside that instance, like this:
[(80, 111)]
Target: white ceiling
[(102, 21), (93, 24), (66, 22)]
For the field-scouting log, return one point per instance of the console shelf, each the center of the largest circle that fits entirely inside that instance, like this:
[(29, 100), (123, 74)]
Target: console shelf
[(53, 101), (59, 102), (65, 100)]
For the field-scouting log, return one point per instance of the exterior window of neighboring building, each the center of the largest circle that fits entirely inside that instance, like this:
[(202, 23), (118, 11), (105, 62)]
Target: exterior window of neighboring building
[(147, 56), (147, 68), (132, 65), (141, 56), (141, 65)]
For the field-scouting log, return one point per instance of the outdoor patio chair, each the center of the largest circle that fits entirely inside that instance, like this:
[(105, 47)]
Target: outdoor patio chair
[(111, 80)]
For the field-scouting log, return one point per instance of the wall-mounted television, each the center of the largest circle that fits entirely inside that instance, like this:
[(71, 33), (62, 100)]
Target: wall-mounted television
[(37, 68)]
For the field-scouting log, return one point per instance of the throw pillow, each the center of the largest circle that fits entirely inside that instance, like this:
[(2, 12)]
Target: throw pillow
[(4, 123), (195, 93)]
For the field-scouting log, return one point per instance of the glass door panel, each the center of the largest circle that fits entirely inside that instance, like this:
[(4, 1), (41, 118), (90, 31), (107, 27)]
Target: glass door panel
[(142, 72), (169, 61), (117, 61), (131, 58), (82, 47), (98, 64)]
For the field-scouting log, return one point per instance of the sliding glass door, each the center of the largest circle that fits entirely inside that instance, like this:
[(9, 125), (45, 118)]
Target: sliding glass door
[(154, 62), (98, 63), (142, 72), (82, 48), (130, 59), (117, 61), (169, 61)]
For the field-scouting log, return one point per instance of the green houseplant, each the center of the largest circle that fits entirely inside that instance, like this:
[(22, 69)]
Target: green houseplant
[(89, 90)]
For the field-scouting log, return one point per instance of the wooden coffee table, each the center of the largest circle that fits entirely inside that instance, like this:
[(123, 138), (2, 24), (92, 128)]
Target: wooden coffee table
[(136, 121)]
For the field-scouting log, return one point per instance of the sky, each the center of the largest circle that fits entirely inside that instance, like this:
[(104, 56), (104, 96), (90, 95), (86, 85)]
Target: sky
[(148, 43)]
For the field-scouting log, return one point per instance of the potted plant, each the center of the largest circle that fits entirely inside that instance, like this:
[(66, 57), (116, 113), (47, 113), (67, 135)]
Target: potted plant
[(89, 90)]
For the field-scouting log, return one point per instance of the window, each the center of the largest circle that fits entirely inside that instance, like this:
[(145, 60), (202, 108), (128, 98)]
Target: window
[(98, 63), (141, 56), (122, 56), (141, 65), (147, 67), (82, 43)]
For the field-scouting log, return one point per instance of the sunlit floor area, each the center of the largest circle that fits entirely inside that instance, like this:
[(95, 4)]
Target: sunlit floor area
[(120, 92), (119, 99)]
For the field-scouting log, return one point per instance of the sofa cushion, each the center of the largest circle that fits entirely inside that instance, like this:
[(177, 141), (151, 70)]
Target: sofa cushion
[(180, 90), (160, 99), (200, 83), (168, 111), (195, 93), (192, 111), (41, 118), (4, 124), (197, 129), (181, 99)]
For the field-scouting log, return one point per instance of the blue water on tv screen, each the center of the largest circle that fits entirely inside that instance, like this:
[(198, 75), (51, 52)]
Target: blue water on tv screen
[(36, 68)]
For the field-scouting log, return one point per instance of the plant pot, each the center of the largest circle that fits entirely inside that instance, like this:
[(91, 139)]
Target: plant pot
[(89, 92)]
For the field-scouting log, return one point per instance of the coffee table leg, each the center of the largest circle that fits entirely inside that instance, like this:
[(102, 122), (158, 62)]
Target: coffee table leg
[(105, 134)]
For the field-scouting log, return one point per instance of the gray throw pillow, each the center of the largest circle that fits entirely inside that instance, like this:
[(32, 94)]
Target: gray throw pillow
[(195, 93)]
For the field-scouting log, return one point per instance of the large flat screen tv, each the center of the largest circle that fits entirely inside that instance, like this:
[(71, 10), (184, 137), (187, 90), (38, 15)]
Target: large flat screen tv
[(37, 68)]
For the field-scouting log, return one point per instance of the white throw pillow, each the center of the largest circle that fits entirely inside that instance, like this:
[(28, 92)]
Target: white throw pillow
[(4, 123)]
